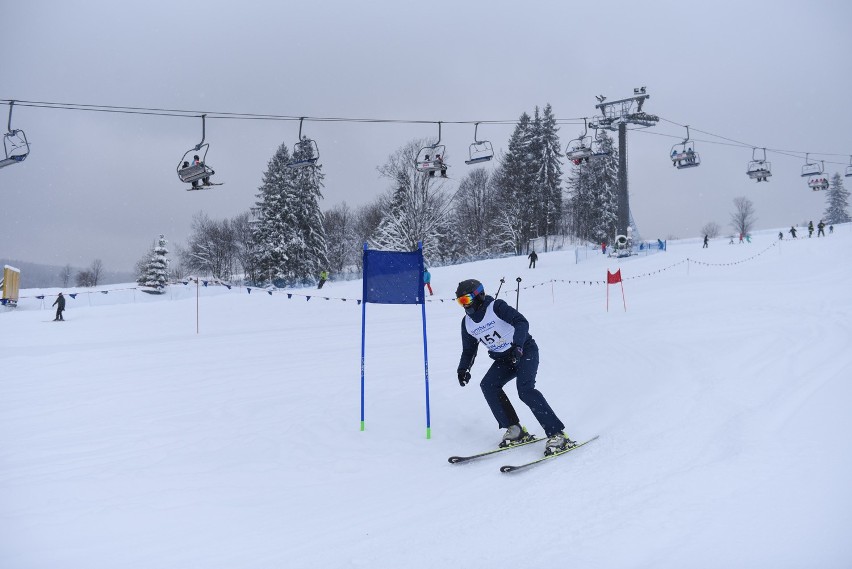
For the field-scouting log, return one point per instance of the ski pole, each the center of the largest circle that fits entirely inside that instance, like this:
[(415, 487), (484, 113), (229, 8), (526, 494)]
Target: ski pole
[(518, 296), (502, 280)]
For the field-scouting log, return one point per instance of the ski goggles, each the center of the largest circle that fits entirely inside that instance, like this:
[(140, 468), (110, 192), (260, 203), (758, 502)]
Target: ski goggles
[(467, 299)]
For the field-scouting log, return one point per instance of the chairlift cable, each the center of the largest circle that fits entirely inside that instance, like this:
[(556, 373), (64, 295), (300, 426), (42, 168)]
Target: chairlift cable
[(247, 116)]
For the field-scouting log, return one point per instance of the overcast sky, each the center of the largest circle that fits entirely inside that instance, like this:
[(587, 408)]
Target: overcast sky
[(103, 186)]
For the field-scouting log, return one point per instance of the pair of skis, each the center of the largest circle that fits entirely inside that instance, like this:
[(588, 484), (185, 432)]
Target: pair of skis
[(509, 468)]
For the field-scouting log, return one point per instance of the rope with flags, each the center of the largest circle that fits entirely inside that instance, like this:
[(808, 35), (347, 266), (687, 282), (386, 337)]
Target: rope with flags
[(290, 294)]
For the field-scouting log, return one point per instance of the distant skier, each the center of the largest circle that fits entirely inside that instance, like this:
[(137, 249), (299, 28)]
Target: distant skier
[(780, 236), (427, 280), (792, 231), (821, 228), (533, 258), (810, 228), (322, 279), (505, 333), (59, 303), (706, 240)]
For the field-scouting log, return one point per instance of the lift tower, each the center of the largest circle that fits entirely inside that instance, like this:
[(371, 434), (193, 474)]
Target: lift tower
[(616, 115)]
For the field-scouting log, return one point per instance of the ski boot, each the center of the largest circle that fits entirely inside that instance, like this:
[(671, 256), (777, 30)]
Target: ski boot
[(558, 442), (514, 435)]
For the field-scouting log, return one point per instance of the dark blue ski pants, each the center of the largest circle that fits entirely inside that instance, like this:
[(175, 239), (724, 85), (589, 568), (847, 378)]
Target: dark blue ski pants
[(502, 372)]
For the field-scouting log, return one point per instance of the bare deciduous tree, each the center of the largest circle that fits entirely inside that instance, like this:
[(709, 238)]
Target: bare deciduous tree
[(711, 229), (245, 245), (367, 220), (212, 247), (96, 270), (417, 205), (84, 278), (474, 211), (65, 275), (341, 237), (743, 218)]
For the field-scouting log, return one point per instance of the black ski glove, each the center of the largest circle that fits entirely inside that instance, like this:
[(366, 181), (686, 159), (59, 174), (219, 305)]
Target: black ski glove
[(464, 377), (516, 352)]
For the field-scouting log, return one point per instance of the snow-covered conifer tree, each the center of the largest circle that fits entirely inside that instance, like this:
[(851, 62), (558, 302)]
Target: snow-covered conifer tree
[(837, 210), (155, 272), (515, 181), (548, 174), (288, 229)]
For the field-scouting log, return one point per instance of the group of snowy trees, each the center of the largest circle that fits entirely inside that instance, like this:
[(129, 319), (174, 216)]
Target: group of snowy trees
[(286, 240), (593, 187), (493, 211), (288, 234)]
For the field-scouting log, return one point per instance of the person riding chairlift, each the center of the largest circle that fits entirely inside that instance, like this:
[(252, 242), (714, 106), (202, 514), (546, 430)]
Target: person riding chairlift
[(197, 162)]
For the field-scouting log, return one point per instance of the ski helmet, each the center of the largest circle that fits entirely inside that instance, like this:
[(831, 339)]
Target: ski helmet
[(470, 286)]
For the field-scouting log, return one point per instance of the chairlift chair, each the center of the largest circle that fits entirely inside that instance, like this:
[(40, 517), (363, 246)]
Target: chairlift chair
[(811, 168), (819, 182), (15, 145), (480, 151), (431, 158), (194, 172), (305, 151), (597, 147), (816, 183), (759, 169), (683, 155), (580, 148)]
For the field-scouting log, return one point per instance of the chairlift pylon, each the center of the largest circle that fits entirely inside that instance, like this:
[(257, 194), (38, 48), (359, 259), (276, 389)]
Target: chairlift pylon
[(683, 155), (759, 169), (191, 173), (15, 145), (480, 151), (431, 158), (305, 151), (849, 169)]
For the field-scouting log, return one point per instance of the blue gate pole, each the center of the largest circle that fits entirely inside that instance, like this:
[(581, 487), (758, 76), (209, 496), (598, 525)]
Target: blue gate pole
[(425, 347), (363, 326)]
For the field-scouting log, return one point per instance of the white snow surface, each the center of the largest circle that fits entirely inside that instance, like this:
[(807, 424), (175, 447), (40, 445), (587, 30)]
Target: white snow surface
[(721, 397)]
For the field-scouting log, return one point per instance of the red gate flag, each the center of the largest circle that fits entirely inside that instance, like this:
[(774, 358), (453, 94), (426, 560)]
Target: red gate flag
[(612, 278)]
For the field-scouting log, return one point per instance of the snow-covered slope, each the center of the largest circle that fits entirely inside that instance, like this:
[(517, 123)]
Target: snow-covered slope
[(721, 396)]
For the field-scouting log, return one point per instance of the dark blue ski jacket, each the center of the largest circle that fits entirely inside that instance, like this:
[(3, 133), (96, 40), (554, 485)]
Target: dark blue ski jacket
[(502, 310)]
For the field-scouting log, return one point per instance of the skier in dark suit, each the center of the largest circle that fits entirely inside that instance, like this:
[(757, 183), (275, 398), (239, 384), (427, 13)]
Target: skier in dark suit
[(505, 333), (533, 258), (59, 303)]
